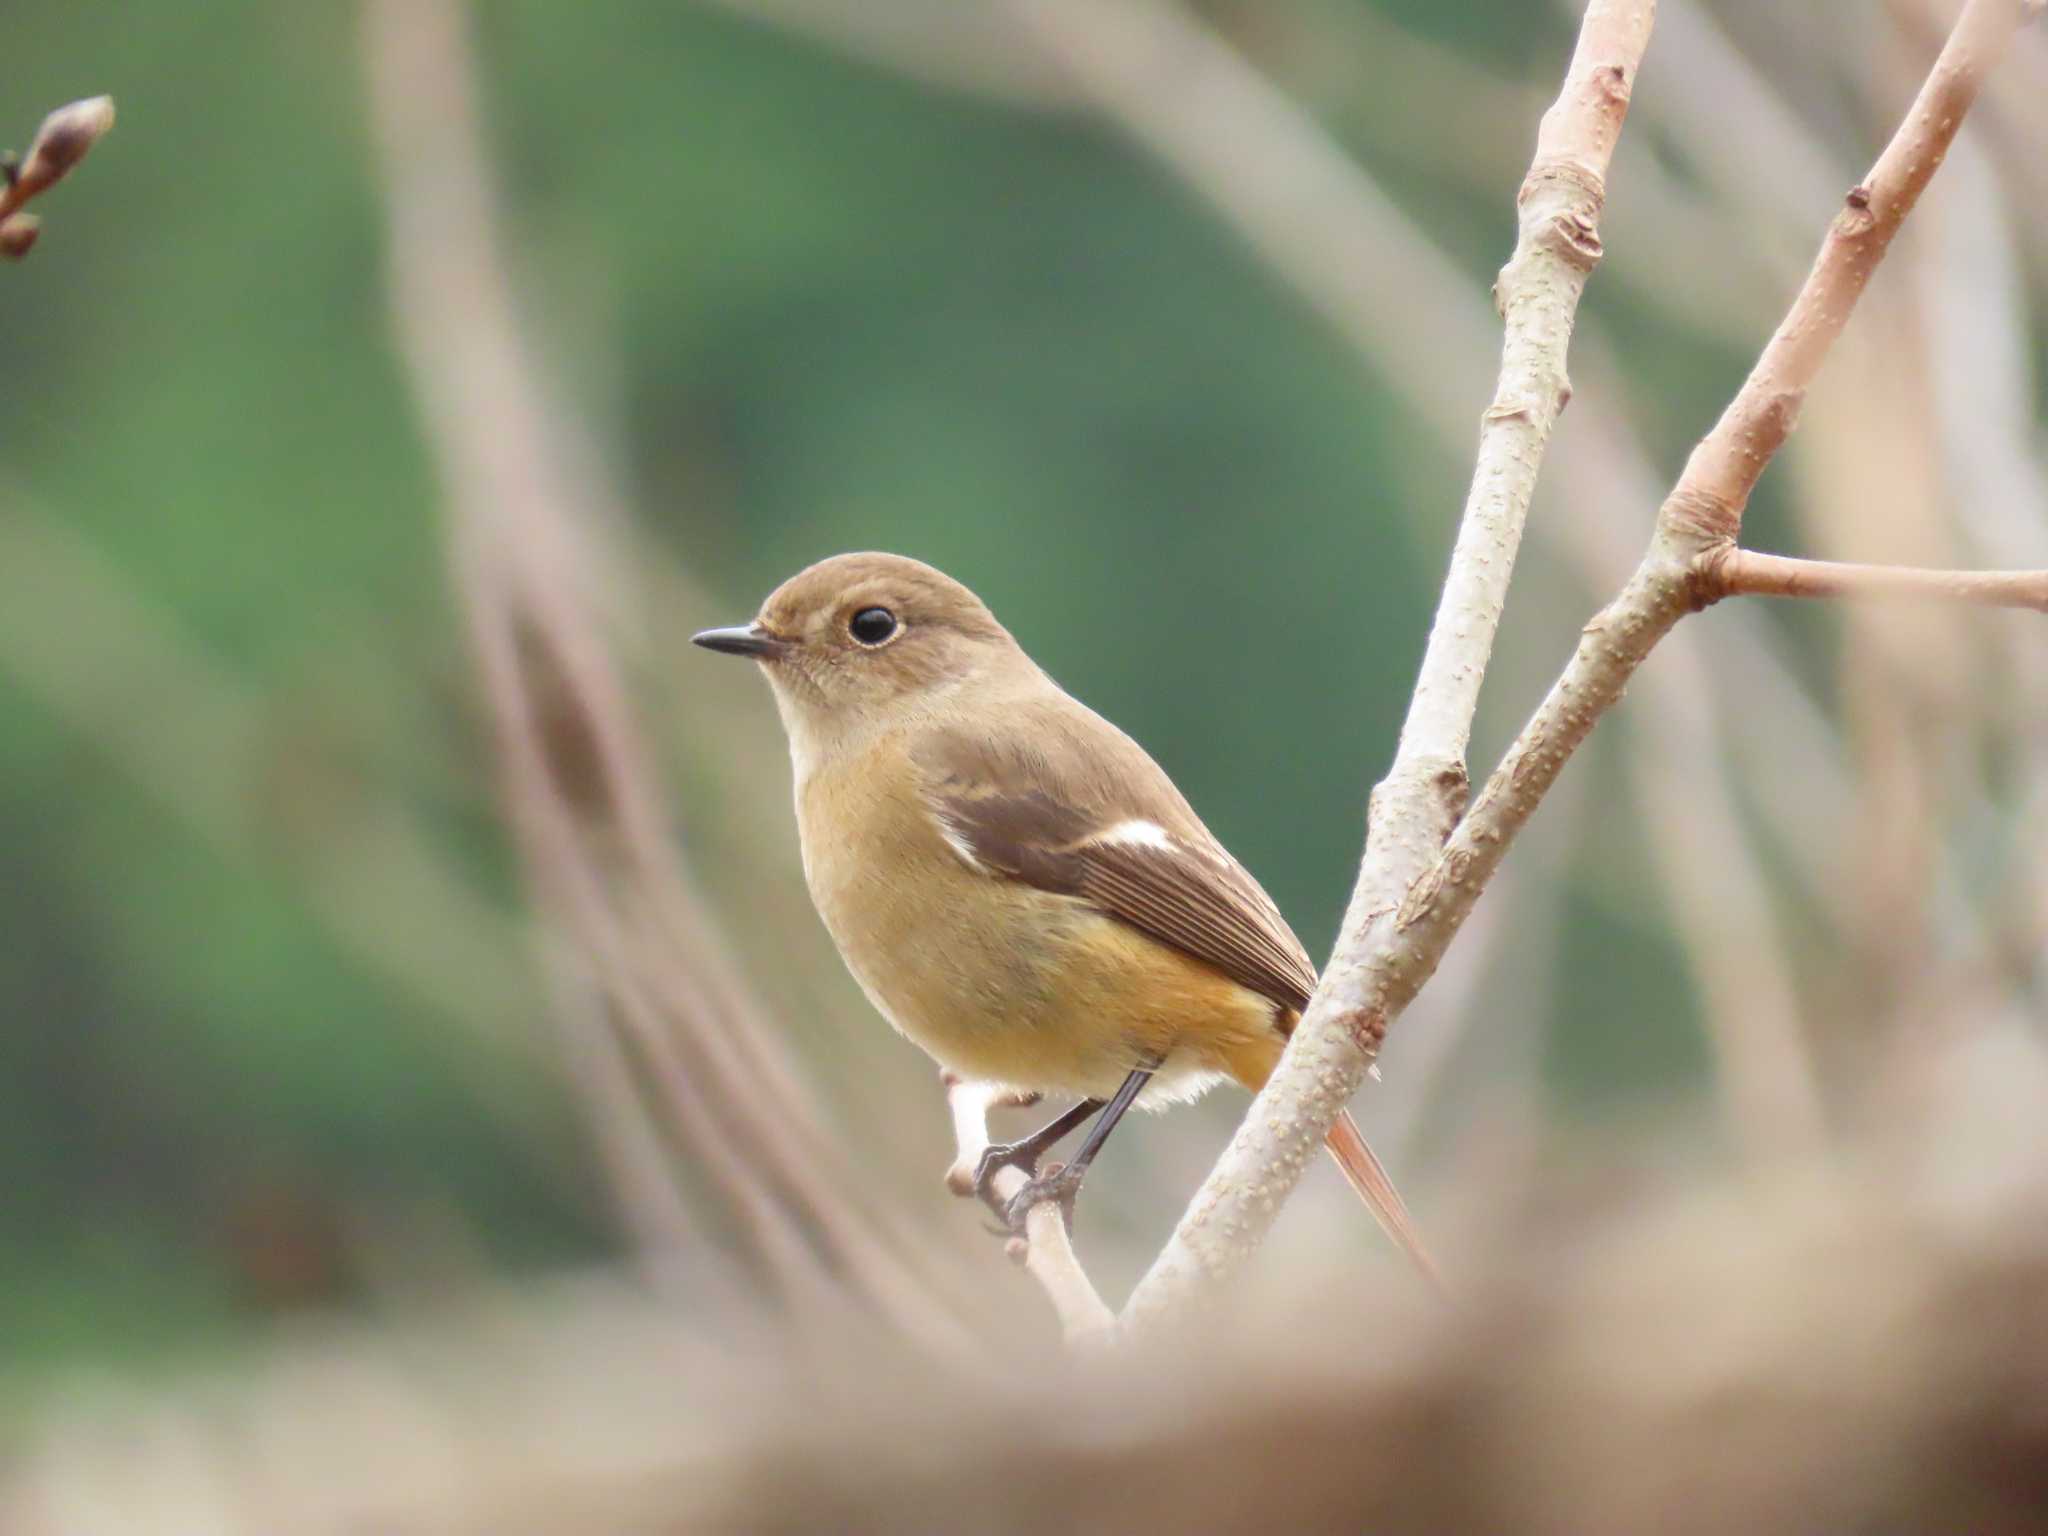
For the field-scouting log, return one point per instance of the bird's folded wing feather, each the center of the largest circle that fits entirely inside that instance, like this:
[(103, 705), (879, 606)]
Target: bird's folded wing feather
[(1068, 803)]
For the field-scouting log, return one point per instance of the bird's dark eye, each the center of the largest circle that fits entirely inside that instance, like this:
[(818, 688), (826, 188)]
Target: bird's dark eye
[(872, 626)]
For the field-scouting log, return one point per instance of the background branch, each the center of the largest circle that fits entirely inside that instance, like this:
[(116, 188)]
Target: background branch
[(524, 545)]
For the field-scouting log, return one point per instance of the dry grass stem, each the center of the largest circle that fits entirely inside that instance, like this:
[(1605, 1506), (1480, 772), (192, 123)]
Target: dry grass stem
[(525, 546)]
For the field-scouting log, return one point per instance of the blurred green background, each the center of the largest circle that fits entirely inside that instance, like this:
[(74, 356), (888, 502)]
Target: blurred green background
[(808, 305)]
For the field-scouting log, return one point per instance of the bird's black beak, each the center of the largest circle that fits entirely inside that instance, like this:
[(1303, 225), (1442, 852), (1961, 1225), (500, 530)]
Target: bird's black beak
[(741, 640)]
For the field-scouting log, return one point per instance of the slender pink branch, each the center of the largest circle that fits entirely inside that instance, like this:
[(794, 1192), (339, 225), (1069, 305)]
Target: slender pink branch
[(1745, 572), (1726, 465)]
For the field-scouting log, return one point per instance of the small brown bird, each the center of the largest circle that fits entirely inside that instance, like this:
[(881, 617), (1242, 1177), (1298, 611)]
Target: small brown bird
[(1015, 884)]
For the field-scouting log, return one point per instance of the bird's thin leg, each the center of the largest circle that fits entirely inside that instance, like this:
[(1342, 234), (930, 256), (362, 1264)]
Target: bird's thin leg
[(1064, 1184), (1026, 1151)]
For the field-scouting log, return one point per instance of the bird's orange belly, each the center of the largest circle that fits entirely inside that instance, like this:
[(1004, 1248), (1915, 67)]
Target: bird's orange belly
[(1041, 991)]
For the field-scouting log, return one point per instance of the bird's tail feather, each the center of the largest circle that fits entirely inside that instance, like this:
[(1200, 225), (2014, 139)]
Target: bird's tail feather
[(1363, 1172)]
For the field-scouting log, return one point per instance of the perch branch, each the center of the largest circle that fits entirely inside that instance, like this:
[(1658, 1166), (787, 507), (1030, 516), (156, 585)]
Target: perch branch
[(523, 525), (1745, 572), (1416, 805), (1046, 1249)]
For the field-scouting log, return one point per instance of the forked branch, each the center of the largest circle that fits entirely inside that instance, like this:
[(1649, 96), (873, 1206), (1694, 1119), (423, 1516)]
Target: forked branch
[(1399, 925)]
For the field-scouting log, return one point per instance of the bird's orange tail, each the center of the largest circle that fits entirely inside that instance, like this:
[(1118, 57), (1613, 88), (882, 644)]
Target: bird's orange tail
[(1363, 1172)]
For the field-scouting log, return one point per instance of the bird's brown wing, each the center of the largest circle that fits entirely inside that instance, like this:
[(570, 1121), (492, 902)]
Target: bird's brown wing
[(1066, 802), (1063, 800)]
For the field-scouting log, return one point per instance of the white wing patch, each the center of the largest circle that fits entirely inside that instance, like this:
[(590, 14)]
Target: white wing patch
[(959, 845), (1139, 834)]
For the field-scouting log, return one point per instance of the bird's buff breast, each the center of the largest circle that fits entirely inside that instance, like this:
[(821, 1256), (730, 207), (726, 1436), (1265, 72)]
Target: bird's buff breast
[(997, 980)]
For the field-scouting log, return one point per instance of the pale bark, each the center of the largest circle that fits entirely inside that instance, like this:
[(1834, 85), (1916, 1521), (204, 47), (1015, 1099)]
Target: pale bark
[(1735, 572), (1421, 798), (1046, 1249)]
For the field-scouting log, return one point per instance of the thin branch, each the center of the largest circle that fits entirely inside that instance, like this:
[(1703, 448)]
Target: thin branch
[(524, 521), (1745, 572), (1046, 1250), (1724, 468), (1416, 804)]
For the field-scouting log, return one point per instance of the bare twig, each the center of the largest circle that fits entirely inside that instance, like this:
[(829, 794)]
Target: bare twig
[(1417, 803), (1046, 1250), (579, 781), (1724, 468), (64, 139), (1737, 572)]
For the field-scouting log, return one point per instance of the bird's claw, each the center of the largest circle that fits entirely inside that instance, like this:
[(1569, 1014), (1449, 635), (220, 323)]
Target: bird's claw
[(1058, 1184), (1007, 1154)]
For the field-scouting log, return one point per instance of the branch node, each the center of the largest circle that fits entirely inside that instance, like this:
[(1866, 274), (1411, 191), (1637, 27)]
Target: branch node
[(1857, 217), (1699, 518), (1367, 1028), (1706, 575), (1451, 869), (1577, 240), (1453, 785), (1575, 183)]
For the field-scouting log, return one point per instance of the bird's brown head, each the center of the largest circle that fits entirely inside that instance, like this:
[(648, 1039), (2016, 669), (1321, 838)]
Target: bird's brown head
[(856, 637)]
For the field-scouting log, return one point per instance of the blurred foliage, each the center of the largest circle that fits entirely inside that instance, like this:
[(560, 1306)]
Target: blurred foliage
[(809, 307)]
